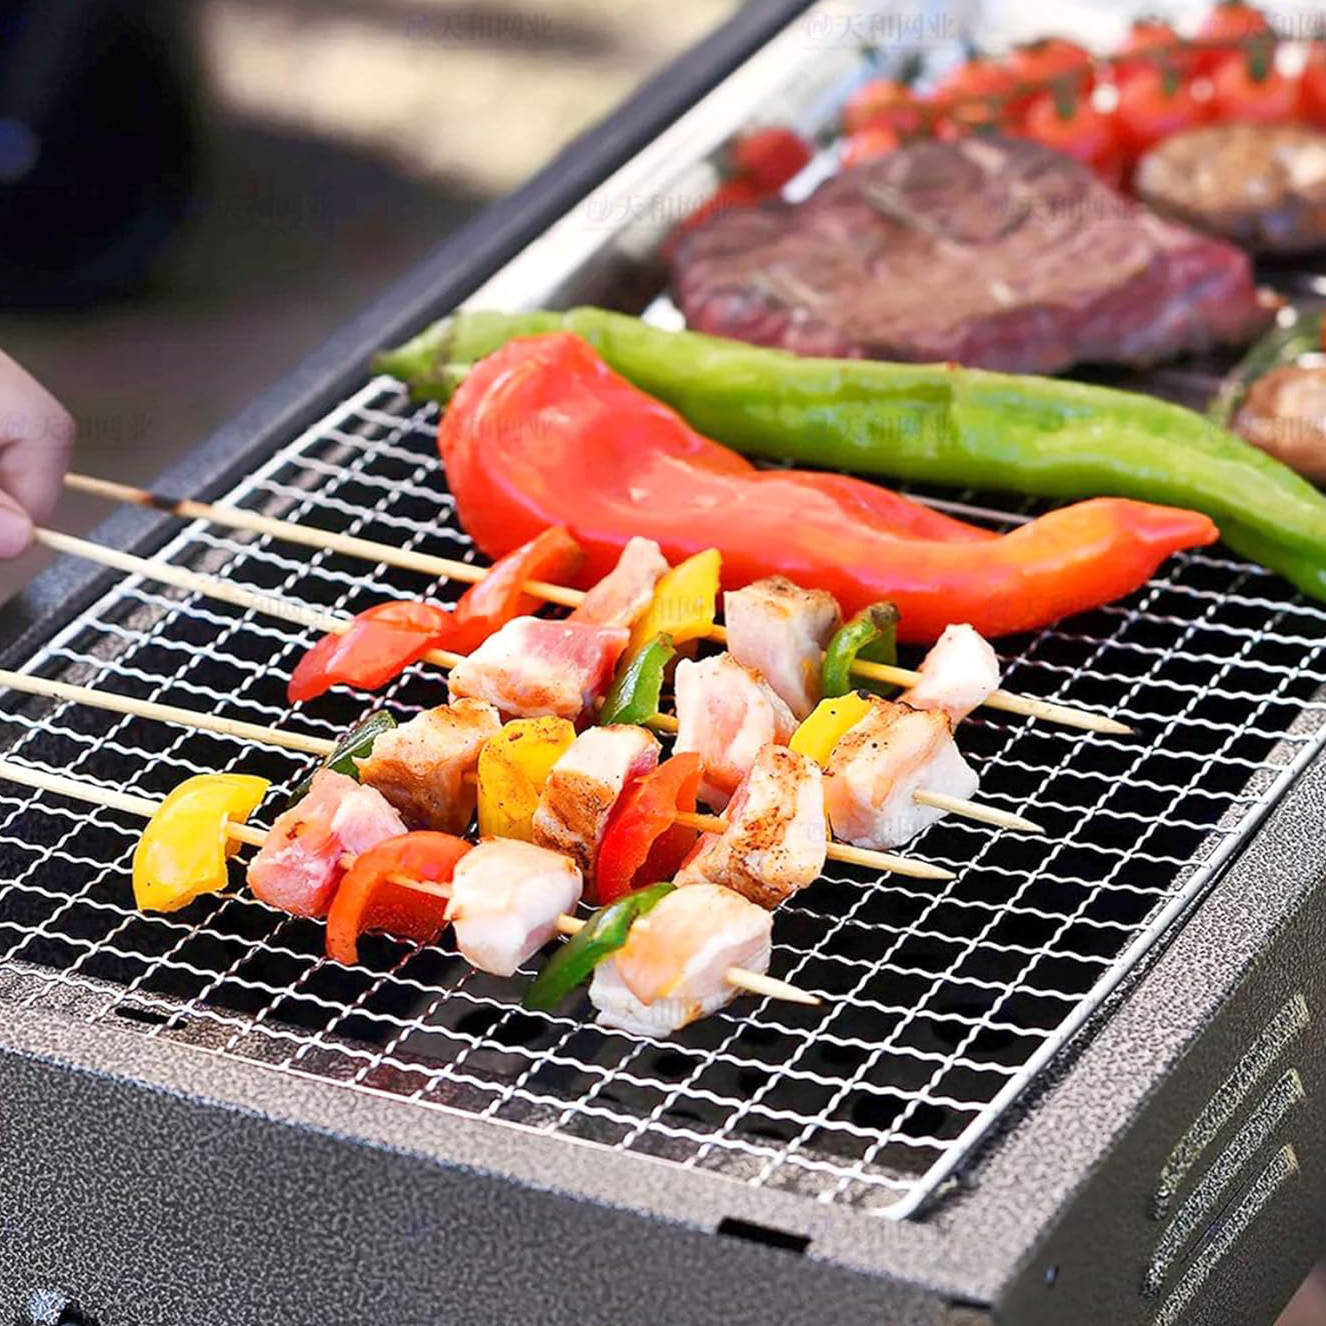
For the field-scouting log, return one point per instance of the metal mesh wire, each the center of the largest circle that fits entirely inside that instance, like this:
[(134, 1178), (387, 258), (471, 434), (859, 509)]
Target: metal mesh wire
[(943, 1001)]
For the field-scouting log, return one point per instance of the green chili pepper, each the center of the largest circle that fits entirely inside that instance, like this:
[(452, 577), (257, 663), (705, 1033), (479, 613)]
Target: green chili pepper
[(633, 697), (871, 635), (927, 422), (355, 745), (604, 933)]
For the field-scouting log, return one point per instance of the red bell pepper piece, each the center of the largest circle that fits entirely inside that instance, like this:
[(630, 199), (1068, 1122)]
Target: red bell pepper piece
[(642, 845), (368, 900), (488, 605), (380, 644), (544, 433)]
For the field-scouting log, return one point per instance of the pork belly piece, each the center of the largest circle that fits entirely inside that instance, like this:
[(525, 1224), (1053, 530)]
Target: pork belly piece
[(782, 630), (727, 714), (299, 866), (584, 785), (506, 896), (776, 835), (880, 763), (421, 766), (626, 591), (534, 667), (959, 674), (672, 969)]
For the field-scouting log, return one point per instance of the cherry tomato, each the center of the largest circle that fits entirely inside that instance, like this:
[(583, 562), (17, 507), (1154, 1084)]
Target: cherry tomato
[(1238, 93), (1232, 22), (1152, 106), (1150, 37), (1083, 132), (770, 157), (1055, 59), (882, 101), (869, 144), (1314, 85), (979, 88)]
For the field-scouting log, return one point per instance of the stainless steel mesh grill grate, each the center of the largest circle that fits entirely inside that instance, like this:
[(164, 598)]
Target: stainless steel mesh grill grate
[(945, 1000)]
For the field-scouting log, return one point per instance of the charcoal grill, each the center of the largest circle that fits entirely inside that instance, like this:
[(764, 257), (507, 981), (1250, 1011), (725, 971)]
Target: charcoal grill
[(1076, 1085)]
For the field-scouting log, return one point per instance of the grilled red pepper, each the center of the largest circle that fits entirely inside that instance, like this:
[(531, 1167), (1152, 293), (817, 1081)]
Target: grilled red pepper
[(487, 606), (543, 433), (642, 844), (379, 645), (367, 899)]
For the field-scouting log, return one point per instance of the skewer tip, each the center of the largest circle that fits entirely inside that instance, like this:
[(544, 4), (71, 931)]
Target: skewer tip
[(759, 984)]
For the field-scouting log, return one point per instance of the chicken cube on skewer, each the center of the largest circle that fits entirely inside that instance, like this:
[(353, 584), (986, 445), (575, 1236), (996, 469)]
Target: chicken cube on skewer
[(506, 896), (959, 674), (878, 766), (626, 591), (782, 630), (727, 714), (776, 836), (299, 866), (534, 667), (583, 787), (425, 767), (673, 967)]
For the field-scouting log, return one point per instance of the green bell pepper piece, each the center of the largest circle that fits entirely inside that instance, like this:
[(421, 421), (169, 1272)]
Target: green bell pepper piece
[(633, 697), (871, 635), (936, 423), (354, 745), (604, 933)]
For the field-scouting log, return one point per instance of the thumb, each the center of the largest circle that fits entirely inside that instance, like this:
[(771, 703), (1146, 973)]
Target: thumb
[(15, 527)]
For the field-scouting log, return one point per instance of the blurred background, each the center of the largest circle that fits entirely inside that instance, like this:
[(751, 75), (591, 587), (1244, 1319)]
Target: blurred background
[(247, 174)]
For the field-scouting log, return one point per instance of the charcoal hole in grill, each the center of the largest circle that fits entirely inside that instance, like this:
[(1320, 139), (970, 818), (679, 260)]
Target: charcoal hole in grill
[(783, 1239), (148, 1017)]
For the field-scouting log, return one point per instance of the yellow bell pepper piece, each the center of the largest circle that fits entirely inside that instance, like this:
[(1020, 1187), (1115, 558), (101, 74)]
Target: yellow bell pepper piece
[(827, 725), (684, 603), (513, 767), (183, 851)]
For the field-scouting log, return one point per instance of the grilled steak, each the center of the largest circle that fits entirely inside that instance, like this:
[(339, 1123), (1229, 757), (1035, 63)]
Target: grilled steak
[(1261, 185), (992, 252)]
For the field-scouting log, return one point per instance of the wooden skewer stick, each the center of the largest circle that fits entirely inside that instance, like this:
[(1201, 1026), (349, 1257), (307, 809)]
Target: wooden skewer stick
[(257, 601), (428, 564), (82, 790), (321, 746), (754, 982)]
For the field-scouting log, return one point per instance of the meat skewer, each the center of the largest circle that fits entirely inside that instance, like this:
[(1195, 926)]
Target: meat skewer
[(431, 565), (323, 747), (94, 794), (253, 600)]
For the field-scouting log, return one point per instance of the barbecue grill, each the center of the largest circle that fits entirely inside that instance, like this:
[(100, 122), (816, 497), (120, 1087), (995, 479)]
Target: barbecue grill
[(1074, 1085)]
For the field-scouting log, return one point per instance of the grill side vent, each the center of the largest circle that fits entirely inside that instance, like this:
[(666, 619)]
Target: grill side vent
[(1259, 1060), (1282, 1168)]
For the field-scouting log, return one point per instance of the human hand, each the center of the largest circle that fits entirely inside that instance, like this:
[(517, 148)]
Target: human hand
[(36, 439)]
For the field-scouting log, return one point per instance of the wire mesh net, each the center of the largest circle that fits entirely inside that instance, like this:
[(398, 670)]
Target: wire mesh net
[(942, 1001)]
